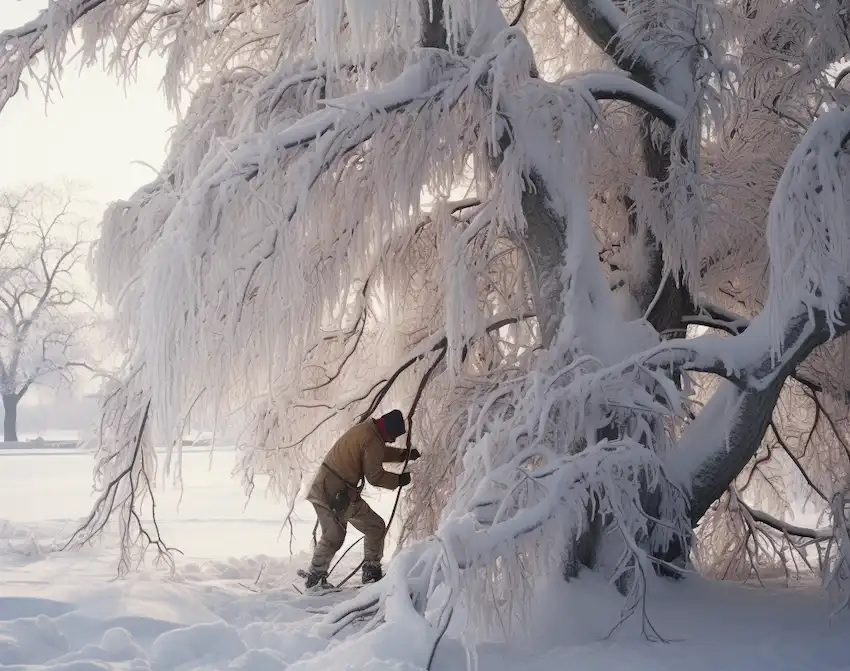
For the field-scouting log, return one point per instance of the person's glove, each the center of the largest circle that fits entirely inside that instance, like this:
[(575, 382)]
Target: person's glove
[(403, 479), (414, 455)]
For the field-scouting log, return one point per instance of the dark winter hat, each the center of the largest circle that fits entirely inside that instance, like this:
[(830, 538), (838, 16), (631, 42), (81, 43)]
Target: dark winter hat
[(393, 423)]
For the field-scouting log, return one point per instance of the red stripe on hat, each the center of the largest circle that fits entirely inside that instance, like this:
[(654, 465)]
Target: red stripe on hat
[(382, 429)]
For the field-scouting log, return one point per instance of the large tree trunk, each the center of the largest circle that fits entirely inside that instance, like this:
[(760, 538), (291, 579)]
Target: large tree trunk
[(545, 244), (10, 418), (711, 459), (667, 314)]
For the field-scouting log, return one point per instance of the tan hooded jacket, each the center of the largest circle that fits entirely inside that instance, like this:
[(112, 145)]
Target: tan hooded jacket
[(359, 453)]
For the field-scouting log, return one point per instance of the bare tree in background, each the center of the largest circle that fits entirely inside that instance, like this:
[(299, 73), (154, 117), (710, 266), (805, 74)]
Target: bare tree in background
[(42, 310)]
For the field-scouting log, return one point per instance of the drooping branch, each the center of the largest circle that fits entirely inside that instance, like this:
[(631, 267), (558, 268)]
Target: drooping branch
[(20, 46), (786, 528), (125, 491), (127, 28)]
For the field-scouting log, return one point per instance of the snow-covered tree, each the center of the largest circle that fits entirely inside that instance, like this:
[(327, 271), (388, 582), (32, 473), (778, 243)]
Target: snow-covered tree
[(43, 315), (505, 218)]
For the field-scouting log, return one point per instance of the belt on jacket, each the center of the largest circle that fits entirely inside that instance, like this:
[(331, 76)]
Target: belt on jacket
[(344, 481)]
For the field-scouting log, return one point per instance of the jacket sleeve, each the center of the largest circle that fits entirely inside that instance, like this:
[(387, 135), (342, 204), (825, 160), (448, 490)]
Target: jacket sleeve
[(393, 455), (373, 465)]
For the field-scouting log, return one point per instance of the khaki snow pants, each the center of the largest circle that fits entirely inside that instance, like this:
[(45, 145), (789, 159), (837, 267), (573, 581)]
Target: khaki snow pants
[(362, 518)]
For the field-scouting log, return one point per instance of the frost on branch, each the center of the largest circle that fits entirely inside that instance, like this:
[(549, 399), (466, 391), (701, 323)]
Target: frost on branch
[(808, 232), (194, 37), (124, 478), (789, 47)]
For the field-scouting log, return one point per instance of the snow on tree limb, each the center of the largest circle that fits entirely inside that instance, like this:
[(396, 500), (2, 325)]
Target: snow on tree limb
[(118, 32), (807, 232), (46, 33), (614, 87)]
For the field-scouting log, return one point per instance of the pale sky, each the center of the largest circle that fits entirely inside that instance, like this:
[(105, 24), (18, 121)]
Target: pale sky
[(91, 132)]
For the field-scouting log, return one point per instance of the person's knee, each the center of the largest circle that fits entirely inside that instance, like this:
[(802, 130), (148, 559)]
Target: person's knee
[(332, 539), (335, 542)]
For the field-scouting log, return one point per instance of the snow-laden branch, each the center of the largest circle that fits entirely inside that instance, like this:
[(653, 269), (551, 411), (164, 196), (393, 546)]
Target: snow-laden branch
[(192, 36), (344, 124), (47, 32), (617, 87), (655, 64), (717, 318), (718, 444), (787, 528), (809, 226)]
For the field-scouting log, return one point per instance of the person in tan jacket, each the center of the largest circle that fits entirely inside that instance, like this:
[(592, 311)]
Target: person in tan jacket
[(356, 458)]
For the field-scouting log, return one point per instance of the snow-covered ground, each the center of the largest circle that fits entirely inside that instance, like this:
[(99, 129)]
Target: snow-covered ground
[(66, 610)]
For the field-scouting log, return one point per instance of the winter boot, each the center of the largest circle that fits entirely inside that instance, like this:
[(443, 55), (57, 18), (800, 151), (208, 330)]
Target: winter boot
[(371, 572), (316, 579)]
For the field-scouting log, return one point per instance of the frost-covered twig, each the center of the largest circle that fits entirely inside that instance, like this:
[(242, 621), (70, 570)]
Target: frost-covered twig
[(125, 489), (790, 529)]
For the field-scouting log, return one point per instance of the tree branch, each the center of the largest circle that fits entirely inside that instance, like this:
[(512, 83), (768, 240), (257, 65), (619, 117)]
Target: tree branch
[(735, 325), (785, 527), (601, 21), (19, 46), (617, 87), (787, 449), (715, 448)]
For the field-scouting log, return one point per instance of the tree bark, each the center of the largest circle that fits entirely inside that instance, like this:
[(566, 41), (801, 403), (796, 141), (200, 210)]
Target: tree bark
[(433, 25), (10, 418), (545, 242), (674, 302)]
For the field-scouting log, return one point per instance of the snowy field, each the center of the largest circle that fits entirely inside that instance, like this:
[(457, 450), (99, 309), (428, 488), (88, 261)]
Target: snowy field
[(66, 610)]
